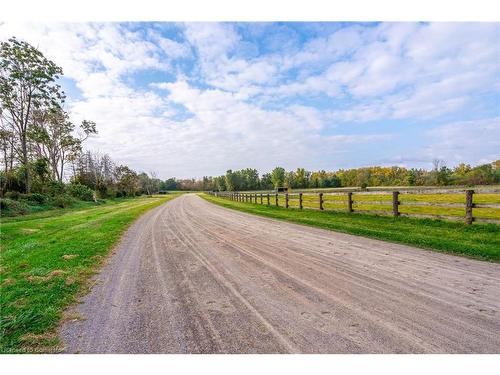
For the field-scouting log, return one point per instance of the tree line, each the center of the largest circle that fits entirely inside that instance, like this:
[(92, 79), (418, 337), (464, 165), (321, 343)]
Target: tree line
[(250, 179), (42, 156)]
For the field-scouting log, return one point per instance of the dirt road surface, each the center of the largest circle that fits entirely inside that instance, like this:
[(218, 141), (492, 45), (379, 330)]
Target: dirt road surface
[(193, 277)]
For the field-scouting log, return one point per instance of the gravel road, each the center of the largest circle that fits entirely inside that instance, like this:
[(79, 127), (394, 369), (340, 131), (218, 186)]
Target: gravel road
[(193, 277)]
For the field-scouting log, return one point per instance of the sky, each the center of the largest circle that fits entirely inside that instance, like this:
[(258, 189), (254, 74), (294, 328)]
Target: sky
[(195, 99)]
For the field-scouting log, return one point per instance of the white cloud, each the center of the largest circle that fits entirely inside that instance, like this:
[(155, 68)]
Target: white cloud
[(404, 70), (388, 71), (467, 141)]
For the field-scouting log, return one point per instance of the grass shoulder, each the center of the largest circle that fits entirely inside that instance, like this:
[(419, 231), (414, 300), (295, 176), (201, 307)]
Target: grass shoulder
[(479, 241), (47, 259)]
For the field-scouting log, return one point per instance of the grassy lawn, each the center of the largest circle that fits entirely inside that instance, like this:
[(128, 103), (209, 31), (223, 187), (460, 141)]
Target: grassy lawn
[(47, 259), (480, 241), (339, 203)]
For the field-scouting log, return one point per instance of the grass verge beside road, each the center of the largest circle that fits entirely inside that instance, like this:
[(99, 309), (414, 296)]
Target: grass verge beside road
[(46, 261), (480, 241)]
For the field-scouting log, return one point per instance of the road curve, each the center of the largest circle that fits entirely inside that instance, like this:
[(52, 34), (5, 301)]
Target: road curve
[(193, 277)]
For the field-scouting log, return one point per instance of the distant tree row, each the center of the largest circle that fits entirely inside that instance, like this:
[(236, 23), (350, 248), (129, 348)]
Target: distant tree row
[(102, 175), (250, 179)]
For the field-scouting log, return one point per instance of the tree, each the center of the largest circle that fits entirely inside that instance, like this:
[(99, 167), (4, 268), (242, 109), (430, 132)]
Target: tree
[(289, 179), (301, 178), (41, 168), (27, 83), (220, 183), (149, 184), (95, 171), (230, 180), (412, 177), (251, 178), (278, 177), (208, 183), (127, 180), (52, 133), (266, 182), (444, 176), (169, 184)]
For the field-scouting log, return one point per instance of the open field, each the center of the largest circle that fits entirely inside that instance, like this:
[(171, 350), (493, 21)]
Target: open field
[(449, 204), (201, 278), (480, 241), (47, 259)]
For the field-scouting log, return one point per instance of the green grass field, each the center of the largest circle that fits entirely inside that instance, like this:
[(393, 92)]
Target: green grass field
[(47, 259), (339, 203), (480, 241)]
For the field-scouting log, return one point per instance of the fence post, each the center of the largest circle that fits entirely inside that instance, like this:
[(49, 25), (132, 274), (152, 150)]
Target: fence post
[(261, 202), (277, 203), (320, 201), (395, 203), (349, 202), (268, 199), (300, 201), (469, 194), (286, 200)]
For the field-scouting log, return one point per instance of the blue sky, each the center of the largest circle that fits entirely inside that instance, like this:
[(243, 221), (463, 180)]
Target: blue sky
[(194, 99)]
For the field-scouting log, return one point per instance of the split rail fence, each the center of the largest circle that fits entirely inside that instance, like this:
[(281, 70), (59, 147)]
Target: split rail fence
[(478, 205)]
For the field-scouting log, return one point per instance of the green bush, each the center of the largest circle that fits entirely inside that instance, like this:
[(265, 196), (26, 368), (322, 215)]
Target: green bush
[(12, 195), (10, 207), (63, 200), (33, 198), (55, 188), (38, 198), (81, 192)]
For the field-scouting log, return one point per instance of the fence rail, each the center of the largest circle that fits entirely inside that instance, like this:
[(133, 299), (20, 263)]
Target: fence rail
[(452, 204)]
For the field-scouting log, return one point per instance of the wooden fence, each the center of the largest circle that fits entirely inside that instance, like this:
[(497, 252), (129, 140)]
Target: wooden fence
[(478, 205)]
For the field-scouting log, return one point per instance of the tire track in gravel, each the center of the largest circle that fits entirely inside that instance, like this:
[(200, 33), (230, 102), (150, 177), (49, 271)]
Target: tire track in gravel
[(193, 277), (413, 307)]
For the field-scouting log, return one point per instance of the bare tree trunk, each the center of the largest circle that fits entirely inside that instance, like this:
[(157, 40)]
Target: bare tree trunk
[(25, 162), (62, 170)]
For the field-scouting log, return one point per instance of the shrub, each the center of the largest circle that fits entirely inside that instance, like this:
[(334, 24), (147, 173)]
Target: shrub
[(12, 195), (10, 207), (81, 192), (33, 198), (38, 198), (55, 188), (63, 200)]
